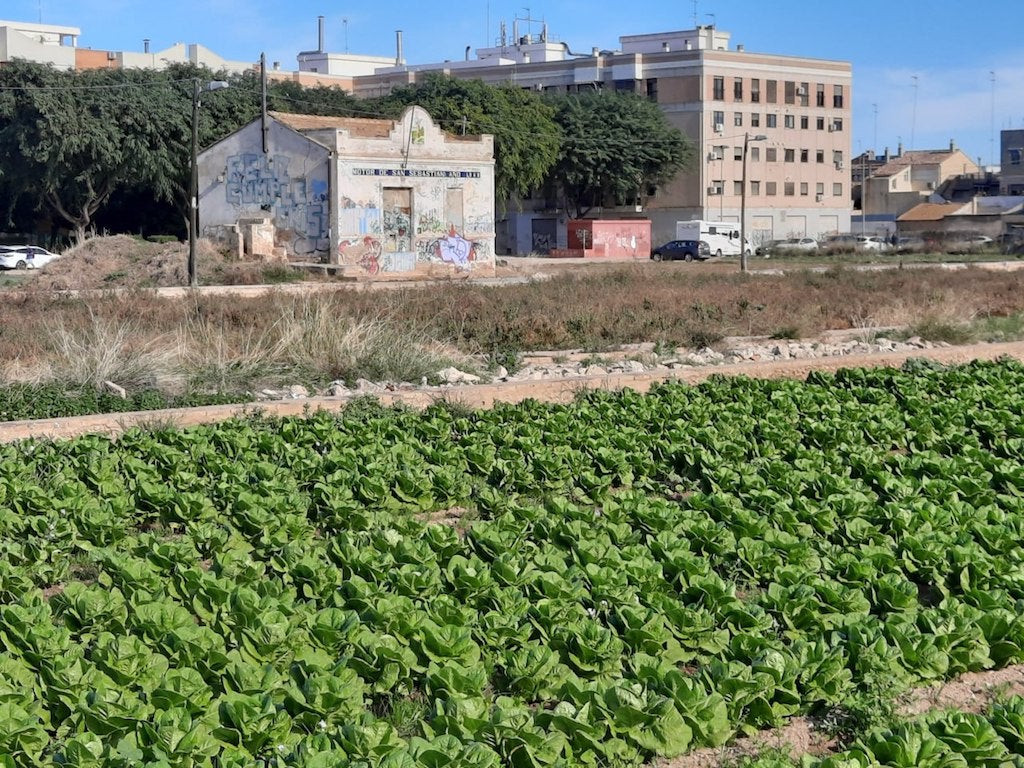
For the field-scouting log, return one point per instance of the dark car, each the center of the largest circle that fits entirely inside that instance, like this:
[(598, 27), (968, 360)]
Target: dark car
[(687, 250)]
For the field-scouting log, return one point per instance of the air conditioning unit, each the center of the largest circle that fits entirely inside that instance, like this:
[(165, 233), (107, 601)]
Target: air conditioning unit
[(801, 91), (714, 156), (831, 127), (818, 198), (719, 127), (839, 165), (931, 185), (714, 190)]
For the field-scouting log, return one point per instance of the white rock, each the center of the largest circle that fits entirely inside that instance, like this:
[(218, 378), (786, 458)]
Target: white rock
[(501, 373), (337, 389), (115, 389), (297, 392)]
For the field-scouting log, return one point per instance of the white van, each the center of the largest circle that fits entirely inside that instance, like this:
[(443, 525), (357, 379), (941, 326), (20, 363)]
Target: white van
[(722, 237)]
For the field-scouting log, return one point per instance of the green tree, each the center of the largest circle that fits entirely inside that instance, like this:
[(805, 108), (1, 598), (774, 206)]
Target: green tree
[(615, 146), (70, 138), (526, 137)]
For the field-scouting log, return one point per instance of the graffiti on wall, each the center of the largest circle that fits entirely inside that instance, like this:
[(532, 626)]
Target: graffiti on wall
[(368, 254), (298, 204), (362, 217), (452, 249)]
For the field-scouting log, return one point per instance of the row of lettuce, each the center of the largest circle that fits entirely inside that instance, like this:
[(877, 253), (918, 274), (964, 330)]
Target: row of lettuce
[(535, 585), (942, 739)]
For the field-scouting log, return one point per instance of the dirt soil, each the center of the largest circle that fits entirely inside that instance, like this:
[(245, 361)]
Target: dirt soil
[(560, 390)]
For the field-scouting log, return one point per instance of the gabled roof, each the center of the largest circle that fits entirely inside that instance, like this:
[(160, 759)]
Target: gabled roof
[(930, 211), (914, 157), (356, 126)]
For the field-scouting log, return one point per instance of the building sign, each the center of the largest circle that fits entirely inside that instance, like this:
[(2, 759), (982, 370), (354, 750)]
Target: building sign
[(417, 173)]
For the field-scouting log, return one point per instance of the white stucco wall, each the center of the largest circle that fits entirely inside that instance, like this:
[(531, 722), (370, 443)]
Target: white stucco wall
[(289, 184), (447, 181)]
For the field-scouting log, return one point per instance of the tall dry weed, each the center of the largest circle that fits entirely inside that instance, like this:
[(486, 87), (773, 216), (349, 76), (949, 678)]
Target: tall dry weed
[(104, 349)]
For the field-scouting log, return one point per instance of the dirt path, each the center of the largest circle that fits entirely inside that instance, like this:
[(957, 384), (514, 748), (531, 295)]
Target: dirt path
[(972, 692), (559, 390)]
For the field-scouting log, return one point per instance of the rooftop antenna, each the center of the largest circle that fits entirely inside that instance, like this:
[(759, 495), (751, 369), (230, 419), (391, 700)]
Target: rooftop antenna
[(874, 141), (39, 3), (712, 18), (913, 114), (695, 17), (992, 122), (344, 26)]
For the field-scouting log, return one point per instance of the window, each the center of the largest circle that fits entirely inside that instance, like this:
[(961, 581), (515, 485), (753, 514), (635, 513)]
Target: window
[(803, 94), (769, 188), (755, 90), (718, 119), (790, 155), (788, 189), (820, 100), (716, 187), (755, 119), (819, 188), (737, 153), (837, 123), (837, 157), (737, 188), (804, 155), (625, 86), (789, 92), (737, 89), (804, 120), (772, 91), (772, 120), (837, 189), (790, 121), (837, 96), (718, 89), (454, 207), (821, 123), (803, 189), (755, 153), (771, 154), (819, 156), (652, 89), (755, 187), (1015, 155), (737, 119)]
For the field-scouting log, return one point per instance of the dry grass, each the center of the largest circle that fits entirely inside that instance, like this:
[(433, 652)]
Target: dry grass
[(231, 342)]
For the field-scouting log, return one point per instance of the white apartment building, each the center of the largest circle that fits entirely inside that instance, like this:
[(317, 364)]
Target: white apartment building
[(795, 114)]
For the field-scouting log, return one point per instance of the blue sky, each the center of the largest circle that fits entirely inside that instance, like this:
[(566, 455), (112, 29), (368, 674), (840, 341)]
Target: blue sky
[(967, 58)]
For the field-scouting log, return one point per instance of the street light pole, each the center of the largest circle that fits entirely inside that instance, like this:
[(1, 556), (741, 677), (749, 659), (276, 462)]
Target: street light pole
[(193, 194), (747, 138)]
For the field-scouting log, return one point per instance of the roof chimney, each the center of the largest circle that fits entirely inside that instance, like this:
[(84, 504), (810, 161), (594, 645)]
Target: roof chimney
[(740, 48), (145, 45), (320, 34), (399, 60), (595, 51), (952, 146), (899, 149), (468, 47)]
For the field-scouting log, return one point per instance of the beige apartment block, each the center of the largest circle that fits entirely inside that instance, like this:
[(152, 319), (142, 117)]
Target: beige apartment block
[(794, 113), (912, 177)]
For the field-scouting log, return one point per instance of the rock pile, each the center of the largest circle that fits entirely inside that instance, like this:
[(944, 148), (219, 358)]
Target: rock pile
[(579, 365)]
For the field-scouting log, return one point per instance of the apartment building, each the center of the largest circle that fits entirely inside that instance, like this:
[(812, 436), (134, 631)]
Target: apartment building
[(1011, 161), (794, 114)]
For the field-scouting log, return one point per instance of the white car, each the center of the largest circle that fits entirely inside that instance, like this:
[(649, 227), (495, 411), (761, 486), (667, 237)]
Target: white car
[(869, 243), (25, 257)]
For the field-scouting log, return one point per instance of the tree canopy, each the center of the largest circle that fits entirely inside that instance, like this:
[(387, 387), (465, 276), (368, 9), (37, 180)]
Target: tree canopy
[(615, 146), (526, 137)]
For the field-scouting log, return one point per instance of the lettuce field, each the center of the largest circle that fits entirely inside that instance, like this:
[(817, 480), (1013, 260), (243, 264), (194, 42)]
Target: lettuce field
[(593, 584)]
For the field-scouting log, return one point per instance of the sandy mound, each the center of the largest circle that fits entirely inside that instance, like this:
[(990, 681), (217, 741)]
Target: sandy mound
[(121, 261)]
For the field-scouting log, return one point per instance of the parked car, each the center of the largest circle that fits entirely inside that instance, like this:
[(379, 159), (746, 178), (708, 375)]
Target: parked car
[(687, 250), (910, 243), (871, 243), (792, 244), (25, 257)]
